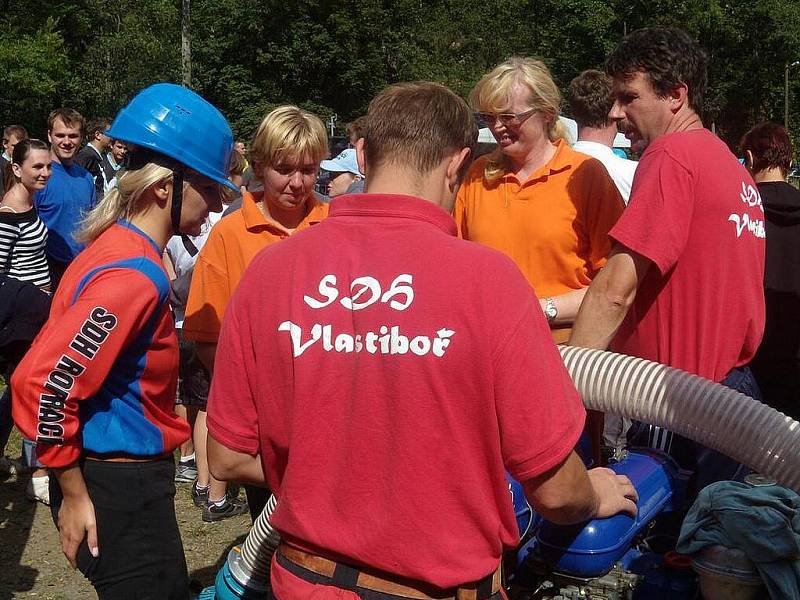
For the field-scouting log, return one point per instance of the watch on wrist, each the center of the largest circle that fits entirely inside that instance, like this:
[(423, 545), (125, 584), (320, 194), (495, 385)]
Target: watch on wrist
[(550, 309)]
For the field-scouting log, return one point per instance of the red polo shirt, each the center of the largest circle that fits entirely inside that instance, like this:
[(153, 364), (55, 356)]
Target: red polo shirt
[(388, 373), (696, 213)]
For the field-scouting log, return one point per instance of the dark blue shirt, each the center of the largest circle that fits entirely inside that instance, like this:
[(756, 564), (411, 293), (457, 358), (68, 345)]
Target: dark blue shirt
[(61, 205)]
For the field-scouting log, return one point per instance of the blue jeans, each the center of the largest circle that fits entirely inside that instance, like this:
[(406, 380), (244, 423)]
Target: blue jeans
[(711, 465), (29, 454), (742, 380)]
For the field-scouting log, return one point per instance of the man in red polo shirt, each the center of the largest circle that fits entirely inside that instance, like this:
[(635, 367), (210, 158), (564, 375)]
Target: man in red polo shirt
[(683, 284), (381, 375)]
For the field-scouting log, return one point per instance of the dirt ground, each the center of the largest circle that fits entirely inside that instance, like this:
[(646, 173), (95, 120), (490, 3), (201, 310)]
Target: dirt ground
[(31, 562)]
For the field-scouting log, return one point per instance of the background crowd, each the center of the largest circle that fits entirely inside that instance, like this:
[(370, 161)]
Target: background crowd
[(48, 187)]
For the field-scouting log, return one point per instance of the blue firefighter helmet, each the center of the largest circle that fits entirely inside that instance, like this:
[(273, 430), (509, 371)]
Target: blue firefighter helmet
[(176, 122)]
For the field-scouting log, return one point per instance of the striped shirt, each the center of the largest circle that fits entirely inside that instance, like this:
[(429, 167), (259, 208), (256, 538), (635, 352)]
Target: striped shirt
[(23, 237)]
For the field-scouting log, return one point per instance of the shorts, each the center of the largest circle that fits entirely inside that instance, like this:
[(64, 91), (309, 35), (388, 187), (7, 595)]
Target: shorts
[(193, 377)]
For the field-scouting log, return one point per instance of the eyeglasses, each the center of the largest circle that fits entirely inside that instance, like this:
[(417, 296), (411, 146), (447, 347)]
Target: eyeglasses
[(507, 119)]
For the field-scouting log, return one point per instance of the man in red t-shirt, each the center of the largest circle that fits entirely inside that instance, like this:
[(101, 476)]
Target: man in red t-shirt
[(683, 283), (381, 375)]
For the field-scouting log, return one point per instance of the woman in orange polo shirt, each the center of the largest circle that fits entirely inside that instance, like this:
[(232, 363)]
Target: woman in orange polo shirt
[(285, 154), (534, 198)]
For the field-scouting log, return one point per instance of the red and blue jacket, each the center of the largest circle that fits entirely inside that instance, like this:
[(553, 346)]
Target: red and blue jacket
[(101, 375)]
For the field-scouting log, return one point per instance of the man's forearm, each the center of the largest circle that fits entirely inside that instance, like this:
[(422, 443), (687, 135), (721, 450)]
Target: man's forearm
[(569, 494), (228, 465), (608, 299), (564, 495), (598, 320)]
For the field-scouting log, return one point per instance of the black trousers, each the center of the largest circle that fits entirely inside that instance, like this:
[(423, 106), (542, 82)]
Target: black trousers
[(256, 500), (141, 554)]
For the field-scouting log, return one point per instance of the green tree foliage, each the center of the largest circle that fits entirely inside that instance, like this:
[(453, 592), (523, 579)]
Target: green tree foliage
[(33, 66), (124, 46), (332, 56), (749, 45), (91, 55), (337, 55)]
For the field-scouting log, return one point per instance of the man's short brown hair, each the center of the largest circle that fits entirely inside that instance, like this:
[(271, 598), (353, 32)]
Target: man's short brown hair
[(16, 130), (667, 56), (355, 128), (591, 96), (417, 124), (97, 124), (68, 116)]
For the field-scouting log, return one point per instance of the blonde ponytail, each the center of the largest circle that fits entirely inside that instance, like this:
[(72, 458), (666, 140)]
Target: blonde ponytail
[(121, 201)]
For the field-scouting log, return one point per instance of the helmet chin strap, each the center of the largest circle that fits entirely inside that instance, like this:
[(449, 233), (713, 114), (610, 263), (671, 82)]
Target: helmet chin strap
[(177, 200)]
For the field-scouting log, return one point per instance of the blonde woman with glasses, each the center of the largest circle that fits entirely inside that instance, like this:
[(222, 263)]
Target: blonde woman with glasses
[(534, 198)]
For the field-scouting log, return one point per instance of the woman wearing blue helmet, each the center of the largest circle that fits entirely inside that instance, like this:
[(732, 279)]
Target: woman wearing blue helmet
[(97, 388)]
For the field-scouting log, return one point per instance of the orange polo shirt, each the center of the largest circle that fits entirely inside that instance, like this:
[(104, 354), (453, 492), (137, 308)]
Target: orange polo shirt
[(232, 243), (554, 225)]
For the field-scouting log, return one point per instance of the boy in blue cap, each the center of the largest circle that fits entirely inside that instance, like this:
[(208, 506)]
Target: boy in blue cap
[(346, 178)]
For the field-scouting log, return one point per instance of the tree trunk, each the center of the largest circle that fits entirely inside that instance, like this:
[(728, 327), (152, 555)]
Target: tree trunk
[(186, 45)]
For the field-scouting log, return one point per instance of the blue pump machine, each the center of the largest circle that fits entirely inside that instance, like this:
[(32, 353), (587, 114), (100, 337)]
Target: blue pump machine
[(591, 549), (580, 553), (602, 558)]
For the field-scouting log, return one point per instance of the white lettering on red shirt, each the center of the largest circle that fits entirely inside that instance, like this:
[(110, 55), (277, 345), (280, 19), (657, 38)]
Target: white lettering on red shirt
[(744, 222), (366, 291)]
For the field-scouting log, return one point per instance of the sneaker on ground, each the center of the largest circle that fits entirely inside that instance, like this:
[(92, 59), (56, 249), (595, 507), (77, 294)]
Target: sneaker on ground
[(199, 497), (38, 490), (230, 508), (186, 472)]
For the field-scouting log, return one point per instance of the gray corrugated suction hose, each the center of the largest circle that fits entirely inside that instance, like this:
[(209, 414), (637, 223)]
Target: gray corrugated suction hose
[(251, 567), (744, 429)]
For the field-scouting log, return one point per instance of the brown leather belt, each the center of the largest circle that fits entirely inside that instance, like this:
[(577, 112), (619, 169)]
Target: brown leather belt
[(388, 584), (125, 457)]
